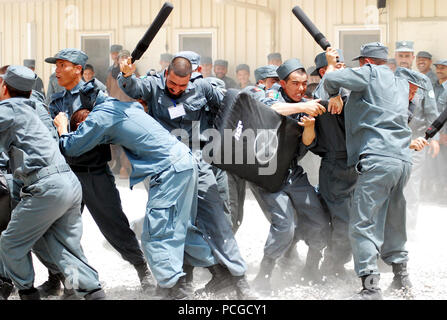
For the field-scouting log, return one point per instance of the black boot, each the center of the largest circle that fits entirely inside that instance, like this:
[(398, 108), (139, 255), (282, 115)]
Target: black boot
[(29, 294), (6, 288), (51, 287), (401, 280), (371, 290), (179, 292), (290, 262), (222, 281), (262, 281), (311, 272), (243, 290), (145, 276)]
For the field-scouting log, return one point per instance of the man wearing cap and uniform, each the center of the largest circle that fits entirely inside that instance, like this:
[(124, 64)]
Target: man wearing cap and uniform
[(434, 185), (168, 167), (98, 184), (378, 143), (424, 62), (336, 179), (38, 86), (243, 76), (220, 71), (275, 59), (296, 205), (424, 112), (266, 77), (176, 103), (52, 231), (207, 67)]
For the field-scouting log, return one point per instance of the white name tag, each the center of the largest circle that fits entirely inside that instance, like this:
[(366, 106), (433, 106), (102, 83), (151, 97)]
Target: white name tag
[(177, 111)]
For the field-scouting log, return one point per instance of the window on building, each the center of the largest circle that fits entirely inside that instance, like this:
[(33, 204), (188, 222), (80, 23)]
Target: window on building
[(97, 47), (352, 40), (200, 43)]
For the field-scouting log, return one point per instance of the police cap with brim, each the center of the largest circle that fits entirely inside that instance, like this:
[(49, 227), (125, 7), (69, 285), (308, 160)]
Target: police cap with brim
[(116, 48), (222, 63), (441, 63), (424, 54), (191, 56), (30, 63), (266, 72), (288, 67), (404, 46), (321, 61), (412, 77), (20, 78), (374, 50), (74, 56)]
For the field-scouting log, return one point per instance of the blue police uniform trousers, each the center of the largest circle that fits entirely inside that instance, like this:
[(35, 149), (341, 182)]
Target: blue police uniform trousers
[(213, 222), (378, 216), (336, 186), (293, 210), (48, 220), (170, 208)]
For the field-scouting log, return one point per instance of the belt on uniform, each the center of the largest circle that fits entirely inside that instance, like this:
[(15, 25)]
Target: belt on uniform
[(45, 172)]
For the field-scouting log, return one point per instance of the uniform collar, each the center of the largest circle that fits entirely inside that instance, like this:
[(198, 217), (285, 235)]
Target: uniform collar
[(76, 89)]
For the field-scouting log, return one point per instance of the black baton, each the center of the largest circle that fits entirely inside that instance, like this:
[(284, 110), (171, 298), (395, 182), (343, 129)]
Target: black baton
[(150, 34), (311, 28)]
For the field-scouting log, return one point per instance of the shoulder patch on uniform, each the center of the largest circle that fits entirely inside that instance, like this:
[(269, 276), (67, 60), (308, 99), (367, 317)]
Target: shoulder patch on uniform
[(431, 94)]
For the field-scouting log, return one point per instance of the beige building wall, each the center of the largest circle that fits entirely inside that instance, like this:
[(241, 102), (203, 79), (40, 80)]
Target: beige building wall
[(244, 31)]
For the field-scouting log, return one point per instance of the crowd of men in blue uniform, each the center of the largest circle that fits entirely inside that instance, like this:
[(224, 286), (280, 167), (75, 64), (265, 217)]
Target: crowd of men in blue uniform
[(367, 125)]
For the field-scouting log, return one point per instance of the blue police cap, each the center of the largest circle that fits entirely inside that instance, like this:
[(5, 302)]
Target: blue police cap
[(74, 56), (116, 48), (30, 63), (288, 67), (375, 50), (441, 63), (20, 77), (424, 54), (192, 56), (243, 66), (266, 72), (274, 56), (404, 46), (222, 63), (321, 61)]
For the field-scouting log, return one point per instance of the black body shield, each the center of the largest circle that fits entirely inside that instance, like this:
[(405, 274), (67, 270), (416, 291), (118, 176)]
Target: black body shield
[(150, 34), (5, 203), (311, 28), (262, 144)]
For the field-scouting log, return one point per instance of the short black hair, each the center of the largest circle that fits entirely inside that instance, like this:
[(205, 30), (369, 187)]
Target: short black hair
[(181, 67), (299, 71), (89, 67), (14, 93)]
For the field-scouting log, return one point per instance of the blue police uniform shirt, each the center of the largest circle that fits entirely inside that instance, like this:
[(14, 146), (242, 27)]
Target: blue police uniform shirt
[(149, 147), (199, 97), (66, 101), (376, 114), (26, 139)]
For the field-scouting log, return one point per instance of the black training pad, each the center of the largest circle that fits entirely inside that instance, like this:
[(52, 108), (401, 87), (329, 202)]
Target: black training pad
[(242, 108)]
